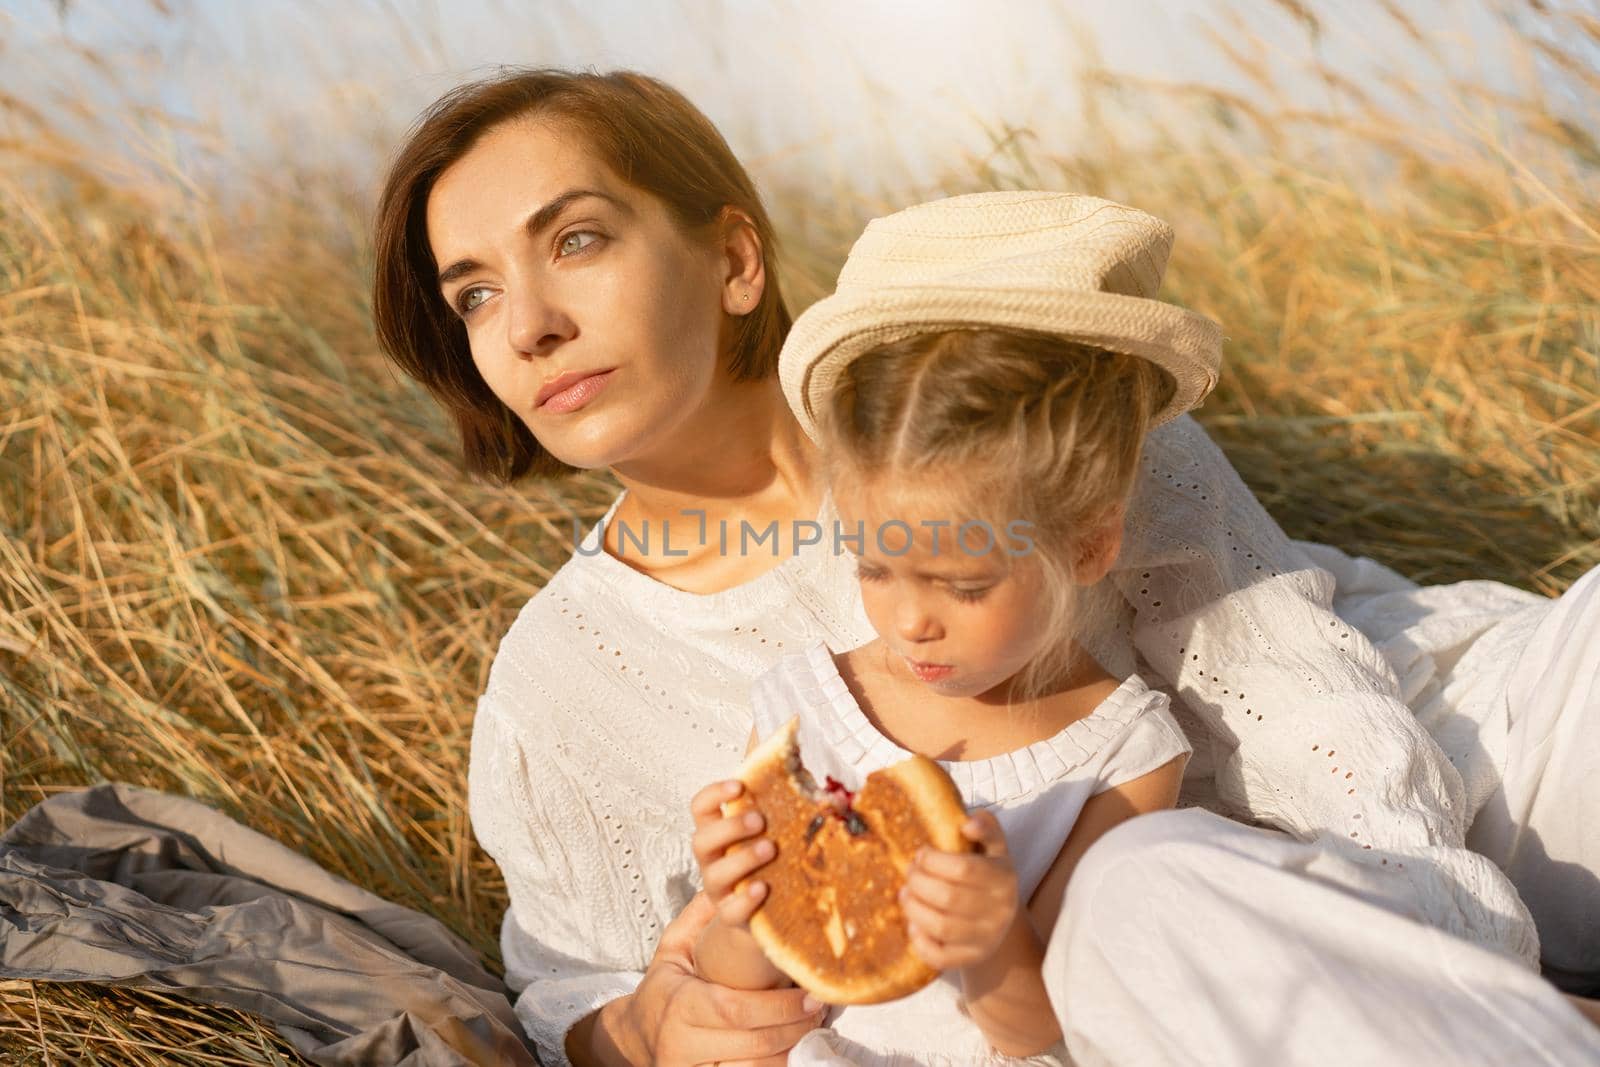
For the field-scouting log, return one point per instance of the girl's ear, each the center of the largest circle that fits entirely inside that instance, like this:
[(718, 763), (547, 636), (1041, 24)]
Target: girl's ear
[(1098, 553), (745, 268)]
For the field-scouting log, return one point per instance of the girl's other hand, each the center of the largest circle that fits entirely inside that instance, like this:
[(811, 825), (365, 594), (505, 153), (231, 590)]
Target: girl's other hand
[(726, 853), (960, 906)]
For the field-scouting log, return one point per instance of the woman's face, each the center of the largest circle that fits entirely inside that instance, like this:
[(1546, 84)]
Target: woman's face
[(589, 313)]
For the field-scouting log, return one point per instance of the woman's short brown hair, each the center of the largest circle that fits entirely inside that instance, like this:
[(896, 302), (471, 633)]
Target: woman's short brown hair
[(649, 134)]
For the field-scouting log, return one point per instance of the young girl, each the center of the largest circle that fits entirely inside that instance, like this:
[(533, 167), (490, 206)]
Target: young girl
[(985, 472)]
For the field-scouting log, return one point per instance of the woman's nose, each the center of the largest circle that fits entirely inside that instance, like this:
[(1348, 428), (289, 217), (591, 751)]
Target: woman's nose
[(537, 325)]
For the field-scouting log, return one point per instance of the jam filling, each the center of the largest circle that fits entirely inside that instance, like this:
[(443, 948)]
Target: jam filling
[(833, 796), (836, 794), (838, 802)]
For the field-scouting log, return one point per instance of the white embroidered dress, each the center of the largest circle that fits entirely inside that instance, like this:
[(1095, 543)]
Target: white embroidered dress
[(1035, 792), (614, 697)]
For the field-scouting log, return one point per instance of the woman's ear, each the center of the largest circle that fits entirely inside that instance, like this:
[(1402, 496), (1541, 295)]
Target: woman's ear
[(745, 277), (1097, 554)]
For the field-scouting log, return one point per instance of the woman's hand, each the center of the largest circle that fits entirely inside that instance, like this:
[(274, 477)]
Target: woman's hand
[(960, 906), (726, 854), (675, 1019)]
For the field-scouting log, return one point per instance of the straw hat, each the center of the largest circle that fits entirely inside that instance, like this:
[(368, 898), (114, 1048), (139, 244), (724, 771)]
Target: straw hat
[(1077, 266)]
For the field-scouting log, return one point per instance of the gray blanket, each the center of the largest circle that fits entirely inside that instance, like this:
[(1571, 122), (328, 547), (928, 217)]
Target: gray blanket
[(130, 887)]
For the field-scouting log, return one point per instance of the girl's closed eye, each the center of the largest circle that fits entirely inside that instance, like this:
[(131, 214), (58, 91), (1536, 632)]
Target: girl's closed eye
[(865, 573), (969, 594)]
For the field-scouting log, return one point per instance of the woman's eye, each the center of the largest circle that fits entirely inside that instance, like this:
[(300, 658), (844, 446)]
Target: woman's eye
[(576, 241), (468, 299)]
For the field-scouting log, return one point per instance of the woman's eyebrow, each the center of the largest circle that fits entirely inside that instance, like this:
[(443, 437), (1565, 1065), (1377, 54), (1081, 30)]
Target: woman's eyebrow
[(542, 218), (536, 222)]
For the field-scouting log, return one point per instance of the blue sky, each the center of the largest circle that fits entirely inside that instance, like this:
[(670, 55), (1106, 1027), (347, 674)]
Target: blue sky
[(868, 86)]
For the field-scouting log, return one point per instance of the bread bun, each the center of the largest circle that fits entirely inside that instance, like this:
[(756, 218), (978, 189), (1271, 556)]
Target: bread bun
[(832, 918)]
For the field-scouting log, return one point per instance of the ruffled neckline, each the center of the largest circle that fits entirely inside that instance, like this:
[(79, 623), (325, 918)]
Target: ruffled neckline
[(855, 740)]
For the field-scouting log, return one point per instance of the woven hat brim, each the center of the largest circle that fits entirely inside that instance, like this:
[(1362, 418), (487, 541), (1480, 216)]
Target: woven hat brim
[(838, 328)]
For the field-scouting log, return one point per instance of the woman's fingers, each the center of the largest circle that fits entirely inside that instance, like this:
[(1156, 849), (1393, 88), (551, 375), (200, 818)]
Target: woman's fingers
[(722, 1008), (767, 1045), (702, 1022), (678, 939), (736, 1024)]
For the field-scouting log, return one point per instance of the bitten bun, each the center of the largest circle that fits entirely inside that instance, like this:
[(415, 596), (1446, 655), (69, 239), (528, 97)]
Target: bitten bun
[(832, 918)]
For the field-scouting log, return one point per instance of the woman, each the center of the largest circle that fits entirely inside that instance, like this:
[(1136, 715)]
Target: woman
[(580, 271)]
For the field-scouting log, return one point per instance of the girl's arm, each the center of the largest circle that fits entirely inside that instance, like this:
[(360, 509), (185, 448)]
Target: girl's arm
[(728, 955), (1155, 791), (1005, 993), (728, 850), (962, 914)]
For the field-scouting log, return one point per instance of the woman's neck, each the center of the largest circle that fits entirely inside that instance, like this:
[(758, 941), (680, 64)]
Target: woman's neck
[(747, 458), (750, 468)]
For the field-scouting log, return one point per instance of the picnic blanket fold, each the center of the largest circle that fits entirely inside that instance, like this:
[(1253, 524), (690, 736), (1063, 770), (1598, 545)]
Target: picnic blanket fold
[(126, 886)]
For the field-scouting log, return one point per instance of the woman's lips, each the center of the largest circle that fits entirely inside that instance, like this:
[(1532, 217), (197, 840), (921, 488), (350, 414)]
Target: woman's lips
[(577, 394)]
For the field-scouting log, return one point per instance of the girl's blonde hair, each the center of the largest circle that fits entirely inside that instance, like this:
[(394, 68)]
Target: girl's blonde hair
[(1000, 426)]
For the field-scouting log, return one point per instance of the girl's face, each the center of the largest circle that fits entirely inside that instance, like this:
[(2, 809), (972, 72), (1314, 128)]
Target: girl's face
[(961, 622), (589, 313)]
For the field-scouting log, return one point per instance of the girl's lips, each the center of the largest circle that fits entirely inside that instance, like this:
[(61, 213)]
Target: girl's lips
[(577, 394), (929, 672)]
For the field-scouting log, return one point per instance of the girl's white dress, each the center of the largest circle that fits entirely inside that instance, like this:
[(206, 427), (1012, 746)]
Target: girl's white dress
[(1036, 794)]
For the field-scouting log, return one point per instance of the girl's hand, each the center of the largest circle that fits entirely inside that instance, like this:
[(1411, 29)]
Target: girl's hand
[(960, 906), (726, 853)]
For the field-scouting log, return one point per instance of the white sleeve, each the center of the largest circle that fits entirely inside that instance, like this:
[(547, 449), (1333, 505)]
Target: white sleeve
[(1241, 624), (1153, 739), (558, 959), (1317, 739)]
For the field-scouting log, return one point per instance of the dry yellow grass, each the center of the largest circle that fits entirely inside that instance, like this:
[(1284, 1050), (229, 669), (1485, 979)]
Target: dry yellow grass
[(238, 560)]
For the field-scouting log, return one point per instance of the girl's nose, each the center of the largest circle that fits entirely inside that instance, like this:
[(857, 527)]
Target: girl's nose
[(916, 623), (537, 325)]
